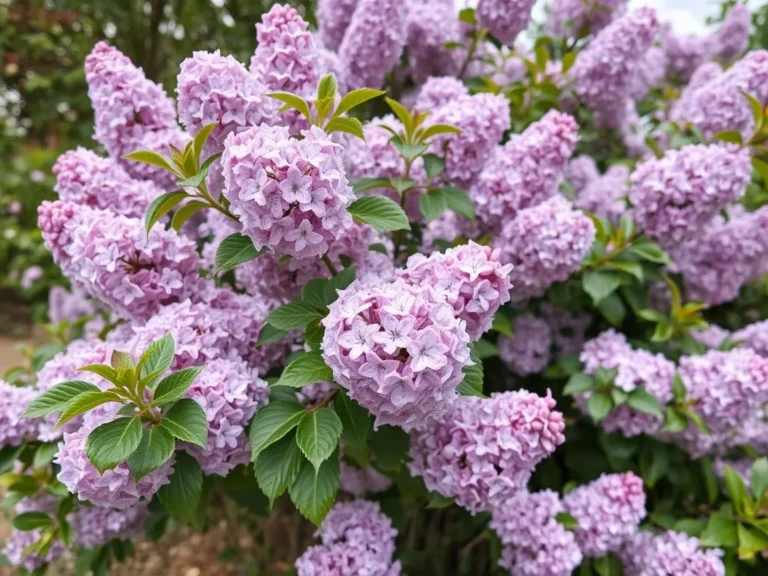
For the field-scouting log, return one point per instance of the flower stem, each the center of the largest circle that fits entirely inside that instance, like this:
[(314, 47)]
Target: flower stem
[(329, 265)]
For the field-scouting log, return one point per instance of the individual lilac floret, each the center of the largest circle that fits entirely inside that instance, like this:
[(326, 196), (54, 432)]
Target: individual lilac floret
[(439, 91), (733, 36), (333, 18), (358, 482), (94, 526), (290, 195), (580, 171), (573, 18), (684, 54), (535, 543), (606, 195), (529, 350), (84, 178), (373, 42), (604, 70), (649, 73), (484, 450), (114, 259), (131, 112), (608, 511), (17, 543), (230, 394), (471, 278), (356, 539), (525, 171), (636, 369), (429, 27), (14, 429), (674, 196), (670, 554), (504, 18), (397, 349), (545, 244)]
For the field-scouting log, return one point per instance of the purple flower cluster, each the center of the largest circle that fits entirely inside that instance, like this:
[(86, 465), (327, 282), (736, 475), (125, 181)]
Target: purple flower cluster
[(115, 260), (525, 171), (545, 244), (529, 350), (568, 329), (13, 428), (753, 336), (535, 543), (505, 19), (19, 540), (733, 35), (437, 92), (674, 196), (69, 305), (357, 538), (572, 18), (333, 18), (86, 179), (608, 511), (580, 171), (484, 450), (397, 349), (471, 278), (670, 554), (430, 25), (290, 195), (605, 195), (684, 54), (649, 73), (358, 482), (96, 526)]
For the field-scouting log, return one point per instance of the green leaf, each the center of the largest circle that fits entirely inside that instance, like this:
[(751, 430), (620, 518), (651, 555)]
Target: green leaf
[(184, 213), (643, 401), (356, 427), (381, 213), (270, 334), (347, 125), (569, 59), (613, 309), (45, 454), (437, 501), (674, 421), (401, 185), (460, 202), (314, 292), (293, 315), (173, 386), (628, 266), (318, 435), (485, 349), (55, 399), (181, 497), (112, 443), (502, 324), (607, 566), (599, 405), (567, 520), (200, 139), (355, 98), (720, 532), (202, 174), (314, 491), (650, 251), (737, 490), (32, 521), (439, 130), (467, 15), (600, 284), (578, 383), (157, 358), (472, 385), (185, 420), (402, 113), (433, 165), (160, 206), (155, 448), (390, 447), (235, 249), (339, 282), (85, 402), (292, 101), (762, 168), (306, 369), (107, 372), (278, 465), (271, 423), (407, 150), (732, 136), (759, 482), (433, 204), (365, 184), (151, 158), (326, 88), (751, 541)]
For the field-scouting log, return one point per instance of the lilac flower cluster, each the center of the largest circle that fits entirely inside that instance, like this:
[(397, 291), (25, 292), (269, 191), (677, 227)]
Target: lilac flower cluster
[(484, 450), (13, 428), (69, 305), (505, 19), (649, 73), (333, 18), (525, 171), (712, 337), (670, 554), (96, 526), (608, 511), (397, 349), (86, 179), (437, 92), (429, 27), (571, 18), (535, 543), (674, 196), (684, 54), (358, 482), (545, 244), (19, 540), (581, 171), (753, 336), (568, 329), (290, 195), (115, 260), (733, 35), (356, 539), (529, 350), (605, 195), (470, 277)]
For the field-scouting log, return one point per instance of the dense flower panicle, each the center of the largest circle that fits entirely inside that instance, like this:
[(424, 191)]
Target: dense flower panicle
[(373, 42), (397, 349), (470, 277), (606, 195), (674, 196), (439, 91), (580, 171), (684, 54), (96, 526), (131, 112), (429, 26), (449, 227), (529, 350), (504, 18), (484, 450), (229, 394), (505, 65), (84, 178), (753, 336), (333, 18), (568, 329), (358, 482), (670, 554), (713, 336), (114, 259), (535, 543), (570, 17), (356, 539), (742, 467), (17, 543), (733, 36), (330, 63), (649, 73), (15, 429), (290, 195), (683, 108), (604, 71), (526, 170), (69, 305), (608, 510), (545, 244)]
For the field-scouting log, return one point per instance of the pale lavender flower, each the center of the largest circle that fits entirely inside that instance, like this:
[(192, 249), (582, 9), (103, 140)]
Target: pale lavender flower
[(733, 36), (17, 543), (648, 74), (528, 351), (505, 18), (30, 276), (568, 329), (333, 18), (684, 54), (358, 482), (606, 195), (572, 18), (580, 171), (439, 91), (15, 429), (713, 336), (670, 554), (429, 26), (95, 526), (69, 305)]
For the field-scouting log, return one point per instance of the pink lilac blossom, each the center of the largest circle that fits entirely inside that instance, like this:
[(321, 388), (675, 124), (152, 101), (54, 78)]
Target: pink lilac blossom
[(397, 349), (114, 259), (684, 54), (568, 329), (84, 178), (230, 394), (429, 26), (753, 336), (439, 91), (580, 171), (373, 42), (742, 467), (608, 511), (525, 171), (701, 77), (670, 554), (545, 244), (315, 392), (131, 112), (713, 336), (606, 195), (357, 538), (69, 305), (330, 63), (358, 481), (649, 73), (17, 543), (94, 526), (504, 18), (528, 351), (674, 196), (470, 277), (484, 450), (449, 227), (571, 18), (535, 543), (333, 18), (15, 429), (30, 276), (603, 72), (505, 65), (733, 36)]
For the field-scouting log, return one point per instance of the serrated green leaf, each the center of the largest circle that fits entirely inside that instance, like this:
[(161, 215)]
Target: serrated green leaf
[(567, 520), (55, 399), (235, 249), (202, 174), (341, 281), (433, 165), (151, 158), (84, 402), (305, 370), (157, 358), (185, 421), (271, 423), (459, 202), (314, 292), (402, 114), (381, 213), (314, 491), (173, 386), (600, 285), (357, 425), (160, 206), (45, 454), (292, 101), (759, 483), (502, 324), (198, 143), (737, 490), (356, 97), (186, 212), (347, 125), (365, 184), (278, 465), (112, 443), (293, 315), (674, 421), (318, 435), (407, 150), (107, 372), (643, 401), (270, 334), (438, 501), (433, 204), (720, 532), (154, 450), (472, 384), (181, 497), (390, 447), (751, 541), (438, 130)]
